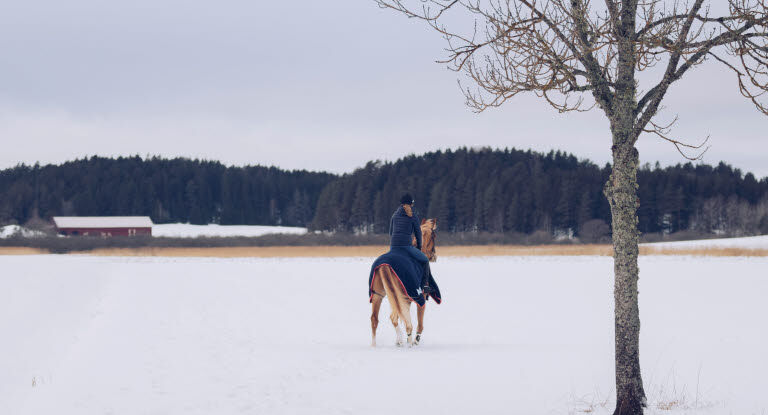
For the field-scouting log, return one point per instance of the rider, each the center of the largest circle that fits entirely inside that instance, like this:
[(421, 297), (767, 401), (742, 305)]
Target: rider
[(404, 224)]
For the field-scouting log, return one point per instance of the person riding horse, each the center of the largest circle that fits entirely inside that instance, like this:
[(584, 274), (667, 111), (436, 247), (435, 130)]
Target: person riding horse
[(403, 225), (395, 274)]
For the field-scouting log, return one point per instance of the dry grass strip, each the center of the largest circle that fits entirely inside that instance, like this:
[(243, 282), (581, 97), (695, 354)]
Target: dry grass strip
[(523, 250), (20, 250), (376, 250), (246, 251)]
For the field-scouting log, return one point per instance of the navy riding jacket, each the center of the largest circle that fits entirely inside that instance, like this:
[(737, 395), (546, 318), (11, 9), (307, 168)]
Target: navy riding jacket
[(402, 226)]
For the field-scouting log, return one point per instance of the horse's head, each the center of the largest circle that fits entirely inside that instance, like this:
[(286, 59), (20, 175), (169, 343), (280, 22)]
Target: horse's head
[(428, 237)]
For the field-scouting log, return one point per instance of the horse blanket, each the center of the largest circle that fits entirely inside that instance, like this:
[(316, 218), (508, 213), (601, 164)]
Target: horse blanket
[(409, 271)]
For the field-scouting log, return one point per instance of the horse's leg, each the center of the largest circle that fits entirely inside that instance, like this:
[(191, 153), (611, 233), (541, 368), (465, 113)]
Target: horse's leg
[(378, 297), (405, 314), (391, 291), (400, 304), (376, 303), (420, 320), (394, 316)]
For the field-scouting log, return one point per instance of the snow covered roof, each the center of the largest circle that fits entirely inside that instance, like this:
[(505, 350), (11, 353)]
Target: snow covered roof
[(102, 221)]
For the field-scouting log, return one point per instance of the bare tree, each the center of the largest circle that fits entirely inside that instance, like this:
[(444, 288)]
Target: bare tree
[(577, 55)]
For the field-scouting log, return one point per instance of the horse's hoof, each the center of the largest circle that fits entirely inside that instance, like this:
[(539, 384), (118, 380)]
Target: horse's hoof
[(417, 340)]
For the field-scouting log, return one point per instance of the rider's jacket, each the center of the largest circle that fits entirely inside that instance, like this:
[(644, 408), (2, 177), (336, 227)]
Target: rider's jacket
[(402, 226)]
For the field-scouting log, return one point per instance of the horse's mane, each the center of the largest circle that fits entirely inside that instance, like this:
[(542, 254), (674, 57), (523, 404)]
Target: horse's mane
[(429, 236)]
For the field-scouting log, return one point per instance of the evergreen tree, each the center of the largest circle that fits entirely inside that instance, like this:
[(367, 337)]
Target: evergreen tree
[(466, 190)]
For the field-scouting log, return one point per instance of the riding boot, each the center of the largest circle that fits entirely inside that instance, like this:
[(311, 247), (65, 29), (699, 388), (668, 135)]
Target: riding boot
[(425, 277)]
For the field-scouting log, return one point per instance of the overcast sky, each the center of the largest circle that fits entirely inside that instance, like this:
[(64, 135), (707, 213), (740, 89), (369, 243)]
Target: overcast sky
[(298, 84)]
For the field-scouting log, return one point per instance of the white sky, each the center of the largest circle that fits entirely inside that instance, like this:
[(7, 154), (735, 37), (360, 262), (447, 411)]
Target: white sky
[(297, 84)]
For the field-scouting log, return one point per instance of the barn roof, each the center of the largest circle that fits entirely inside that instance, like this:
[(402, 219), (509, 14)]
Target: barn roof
[(102, 222)]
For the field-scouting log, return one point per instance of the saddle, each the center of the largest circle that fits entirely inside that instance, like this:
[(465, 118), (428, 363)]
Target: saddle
[(410, 273)]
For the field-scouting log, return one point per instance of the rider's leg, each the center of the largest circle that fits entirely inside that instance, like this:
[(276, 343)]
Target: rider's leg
[(419, 256), (426, 276)]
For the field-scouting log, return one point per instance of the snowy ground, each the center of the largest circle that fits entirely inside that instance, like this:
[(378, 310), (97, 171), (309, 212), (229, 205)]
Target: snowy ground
[(515, 335), (749, 242), (182, 230)]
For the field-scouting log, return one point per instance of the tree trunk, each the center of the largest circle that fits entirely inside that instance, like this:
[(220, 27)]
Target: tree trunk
[(621, 191)]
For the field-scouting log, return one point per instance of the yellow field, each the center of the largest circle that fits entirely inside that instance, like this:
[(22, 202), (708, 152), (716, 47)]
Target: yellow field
[(13, 250), (374, 251)]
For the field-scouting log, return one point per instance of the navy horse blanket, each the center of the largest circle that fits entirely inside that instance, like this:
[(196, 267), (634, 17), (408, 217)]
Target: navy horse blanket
[(409, 271)]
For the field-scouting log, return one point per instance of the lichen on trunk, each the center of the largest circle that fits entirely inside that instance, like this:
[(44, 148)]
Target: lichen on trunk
[(621, 192)]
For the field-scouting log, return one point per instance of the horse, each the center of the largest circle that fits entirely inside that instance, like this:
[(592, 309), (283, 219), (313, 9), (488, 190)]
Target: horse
[(387, 284)]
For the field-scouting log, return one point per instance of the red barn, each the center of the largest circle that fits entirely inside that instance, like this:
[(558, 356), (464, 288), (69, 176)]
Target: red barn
[(103, 225)]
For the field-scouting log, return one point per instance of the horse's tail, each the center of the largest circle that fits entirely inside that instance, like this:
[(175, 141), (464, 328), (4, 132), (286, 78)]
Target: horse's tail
[(394, 290)]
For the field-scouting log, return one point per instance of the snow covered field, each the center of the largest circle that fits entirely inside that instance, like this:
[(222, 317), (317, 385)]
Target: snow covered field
[(183, 230), (515, 335), (748, 242)]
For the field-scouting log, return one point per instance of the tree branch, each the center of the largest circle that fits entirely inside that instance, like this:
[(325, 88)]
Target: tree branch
[(662, 131)]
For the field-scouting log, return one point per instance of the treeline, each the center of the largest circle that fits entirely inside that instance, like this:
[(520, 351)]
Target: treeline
[(524, 191), (483, 191), (167, 190)]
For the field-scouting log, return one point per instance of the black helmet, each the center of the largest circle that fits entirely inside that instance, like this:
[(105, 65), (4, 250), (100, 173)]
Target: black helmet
[(407, 199)]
